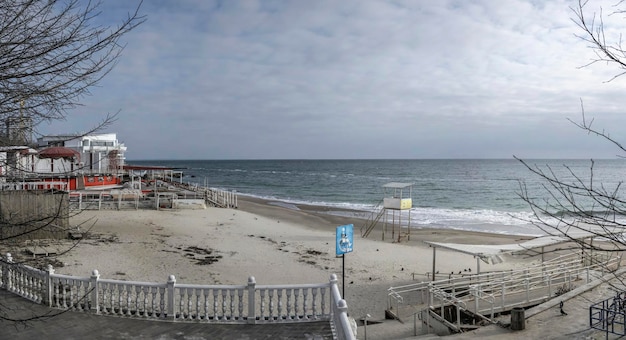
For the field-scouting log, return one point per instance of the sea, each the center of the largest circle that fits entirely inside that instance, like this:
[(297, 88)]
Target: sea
[(461, 194)]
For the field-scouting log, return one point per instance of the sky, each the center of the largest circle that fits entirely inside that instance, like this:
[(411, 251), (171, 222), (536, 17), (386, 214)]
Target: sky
[(357, 79)]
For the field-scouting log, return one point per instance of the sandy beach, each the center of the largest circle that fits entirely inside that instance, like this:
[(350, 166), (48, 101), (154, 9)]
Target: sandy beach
[(274, 244)]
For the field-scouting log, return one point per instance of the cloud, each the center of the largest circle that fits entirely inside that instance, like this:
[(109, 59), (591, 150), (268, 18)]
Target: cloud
[(352, 79)]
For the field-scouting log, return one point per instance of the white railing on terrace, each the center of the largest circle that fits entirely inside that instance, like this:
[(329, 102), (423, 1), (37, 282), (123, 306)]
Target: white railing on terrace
[(125, 200), (223, 304), (41, 185), (118, 200), (489, 293)]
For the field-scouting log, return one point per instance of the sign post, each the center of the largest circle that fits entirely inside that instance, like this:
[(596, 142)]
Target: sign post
[(344, 244)]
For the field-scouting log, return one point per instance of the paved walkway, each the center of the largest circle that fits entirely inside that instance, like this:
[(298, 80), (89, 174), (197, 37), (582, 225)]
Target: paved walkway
[(78, 325)]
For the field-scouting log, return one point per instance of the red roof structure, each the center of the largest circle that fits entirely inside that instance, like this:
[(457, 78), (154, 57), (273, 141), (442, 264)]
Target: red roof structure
[(58, 152)]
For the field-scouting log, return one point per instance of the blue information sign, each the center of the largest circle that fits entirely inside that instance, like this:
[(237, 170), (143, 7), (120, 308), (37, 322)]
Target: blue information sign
[(344, 239)]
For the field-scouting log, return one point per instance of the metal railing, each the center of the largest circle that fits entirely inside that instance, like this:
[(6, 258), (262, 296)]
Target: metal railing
[(493, 292)]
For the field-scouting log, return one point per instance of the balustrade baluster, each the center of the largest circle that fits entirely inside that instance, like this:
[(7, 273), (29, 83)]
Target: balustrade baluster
[(215, 304), (82, 298), (150, 301), (55, 293), (120, 296), (198, 293), (240, 294), (141, 302), (271, 303), (181, 303), (232, 304), (289, 304), (107, 304), (17, 281), (162, 302), (262, 293), (114, 289), (280, 303), (31, 288), (11, 278), (128, 291), (24, 279), (315, 292), (138, 295), (64, 293), (190, 297), (224, 298), (323, 298), (206, 294), (27, 288), (24, 282), (41, 287), (305, 293), (103, 298), (296, 307), (75, 289)]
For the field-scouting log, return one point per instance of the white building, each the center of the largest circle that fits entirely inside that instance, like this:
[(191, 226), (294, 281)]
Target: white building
[(97, 153)]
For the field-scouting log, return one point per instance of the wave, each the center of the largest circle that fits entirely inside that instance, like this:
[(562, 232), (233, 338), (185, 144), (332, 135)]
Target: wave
[(589, 213), (482, 220)]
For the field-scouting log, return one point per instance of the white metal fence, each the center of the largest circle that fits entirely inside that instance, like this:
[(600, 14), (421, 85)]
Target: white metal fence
[(494, 292)]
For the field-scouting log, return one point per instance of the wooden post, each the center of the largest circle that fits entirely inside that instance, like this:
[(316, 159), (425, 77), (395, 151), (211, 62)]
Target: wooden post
[(518, 320)]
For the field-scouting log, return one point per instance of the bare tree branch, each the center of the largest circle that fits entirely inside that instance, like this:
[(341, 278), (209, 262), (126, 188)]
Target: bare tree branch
[(593, 32), (51, 54)]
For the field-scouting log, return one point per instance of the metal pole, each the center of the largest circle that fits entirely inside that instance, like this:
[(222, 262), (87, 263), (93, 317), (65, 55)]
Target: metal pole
[(343, 276), (434, 253)]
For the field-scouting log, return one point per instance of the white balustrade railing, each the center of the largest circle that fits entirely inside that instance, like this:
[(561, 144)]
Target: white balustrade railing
[(249, 303)]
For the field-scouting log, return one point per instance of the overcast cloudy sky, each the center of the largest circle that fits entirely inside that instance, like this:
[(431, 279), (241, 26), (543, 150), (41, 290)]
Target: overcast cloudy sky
[(356, 79)]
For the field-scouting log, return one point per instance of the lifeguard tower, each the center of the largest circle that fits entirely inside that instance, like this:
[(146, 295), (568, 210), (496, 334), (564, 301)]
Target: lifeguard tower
[(394, 210)]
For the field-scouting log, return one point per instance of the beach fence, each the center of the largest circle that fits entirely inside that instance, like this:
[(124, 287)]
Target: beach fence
[(129, 199), (212, 196), (249, 303), (446, 306)]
